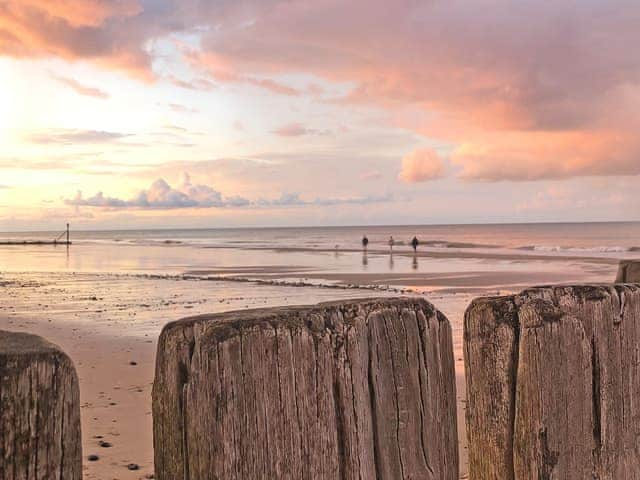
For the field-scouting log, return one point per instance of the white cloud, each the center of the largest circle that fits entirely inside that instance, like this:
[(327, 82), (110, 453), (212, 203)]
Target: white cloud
[(161, 196)]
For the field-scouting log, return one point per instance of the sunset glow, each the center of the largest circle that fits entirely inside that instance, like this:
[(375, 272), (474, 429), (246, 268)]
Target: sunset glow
[(119, 113)]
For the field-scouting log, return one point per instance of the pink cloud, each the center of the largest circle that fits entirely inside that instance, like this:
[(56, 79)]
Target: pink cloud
[(511, 86), (223, 73), (192, 84), (544, 155), (420, 166), (77, 13), (475, 71), (292, 130), (81, 88), (100, 31)]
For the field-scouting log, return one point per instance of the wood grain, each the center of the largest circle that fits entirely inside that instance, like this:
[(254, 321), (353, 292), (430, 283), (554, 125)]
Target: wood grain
[(628, 271), (353, 390), (39, 411), (553, 384)]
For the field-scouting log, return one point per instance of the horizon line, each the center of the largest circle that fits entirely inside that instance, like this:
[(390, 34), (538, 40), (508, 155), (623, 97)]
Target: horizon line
[(291, 227)]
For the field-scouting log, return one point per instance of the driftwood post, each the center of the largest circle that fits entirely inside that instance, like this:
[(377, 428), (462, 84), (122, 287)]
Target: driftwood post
[(628, 271), (353, 390), (553, 384), (39, 411)]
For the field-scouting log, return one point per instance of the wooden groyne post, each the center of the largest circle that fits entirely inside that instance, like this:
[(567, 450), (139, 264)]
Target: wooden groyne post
[(553, 384), (39, 411), (352, 390), (55, 241), (628, 271)]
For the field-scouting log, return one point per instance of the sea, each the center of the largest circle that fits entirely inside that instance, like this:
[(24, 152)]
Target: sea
[(613, 237)]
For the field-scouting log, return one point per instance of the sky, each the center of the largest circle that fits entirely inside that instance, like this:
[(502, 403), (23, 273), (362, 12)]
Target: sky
[(226, 113)]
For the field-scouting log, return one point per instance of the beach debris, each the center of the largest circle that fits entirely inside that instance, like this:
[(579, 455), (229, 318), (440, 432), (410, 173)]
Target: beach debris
[(133, 363), (105, 444), (133, 466), (339, 390), (93, 458)]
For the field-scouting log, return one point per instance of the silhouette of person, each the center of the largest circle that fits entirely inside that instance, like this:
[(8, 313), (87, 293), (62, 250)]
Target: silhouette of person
[(391, 243), (414, 243), (365, 242)]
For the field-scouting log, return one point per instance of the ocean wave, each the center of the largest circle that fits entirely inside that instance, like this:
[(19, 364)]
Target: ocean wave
[(133, 241), (597, 249), (301, 244), (270, 282), (451, 244)]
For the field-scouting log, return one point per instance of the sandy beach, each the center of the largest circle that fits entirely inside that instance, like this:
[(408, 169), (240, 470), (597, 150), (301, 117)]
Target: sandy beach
[(164, 159), (105, 305)]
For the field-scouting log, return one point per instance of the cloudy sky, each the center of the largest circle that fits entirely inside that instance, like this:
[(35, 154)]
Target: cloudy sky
[(151, 113)]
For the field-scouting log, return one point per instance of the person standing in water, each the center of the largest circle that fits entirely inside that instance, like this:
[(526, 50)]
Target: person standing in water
[(414, 243), (365, 242), (391, 243)]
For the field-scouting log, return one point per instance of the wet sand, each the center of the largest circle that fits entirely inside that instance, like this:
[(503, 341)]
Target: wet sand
[(489, 253), (462, 282)]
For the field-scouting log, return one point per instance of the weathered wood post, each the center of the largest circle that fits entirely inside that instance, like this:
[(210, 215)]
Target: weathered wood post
[(628, 271), (39, 411), (553, 384), (353, 390)]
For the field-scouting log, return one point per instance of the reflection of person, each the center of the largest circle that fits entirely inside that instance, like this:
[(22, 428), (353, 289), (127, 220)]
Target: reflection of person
[(391, 242), (365, 242), (365, 260), (414, 243), (414, 263)]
